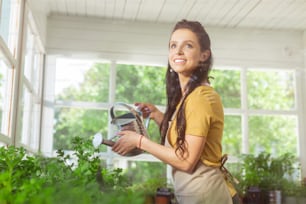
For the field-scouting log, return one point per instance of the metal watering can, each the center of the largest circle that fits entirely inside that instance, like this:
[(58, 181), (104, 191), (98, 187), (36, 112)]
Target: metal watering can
[(132, 120)]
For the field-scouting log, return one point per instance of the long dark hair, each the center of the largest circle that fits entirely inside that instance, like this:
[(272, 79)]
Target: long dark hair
[(174, 95)]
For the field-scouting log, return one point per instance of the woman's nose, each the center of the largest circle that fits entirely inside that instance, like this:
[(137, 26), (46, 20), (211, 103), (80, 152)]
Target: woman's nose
[(179, 51)]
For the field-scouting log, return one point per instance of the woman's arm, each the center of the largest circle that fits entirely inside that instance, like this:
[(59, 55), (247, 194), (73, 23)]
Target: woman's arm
[(149, 110), (195, 144)]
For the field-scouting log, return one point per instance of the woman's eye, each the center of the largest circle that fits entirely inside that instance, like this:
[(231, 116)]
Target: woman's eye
[(172, 46), (189, 46)]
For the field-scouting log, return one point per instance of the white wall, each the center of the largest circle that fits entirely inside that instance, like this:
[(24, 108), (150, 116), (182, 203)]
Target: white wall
[(144, 42), (39, 9)]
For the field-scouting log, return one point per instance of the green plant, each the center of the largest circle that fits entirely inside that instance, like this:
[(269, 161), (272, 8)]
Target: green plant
[(69, 178), (265, 172)]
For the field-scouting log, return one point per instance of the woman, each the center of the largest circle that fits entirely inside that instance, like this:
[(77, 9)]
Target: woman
[(192, 125)]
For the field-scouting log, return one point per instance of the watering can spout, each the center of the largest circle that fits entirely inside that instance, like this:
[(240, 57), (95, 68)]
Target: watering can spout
[(98, 140)]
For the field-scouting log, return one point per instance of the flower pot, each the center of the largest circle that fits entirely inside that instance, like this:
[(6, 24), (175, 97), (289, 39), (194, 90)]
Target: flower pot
[(290, 200)]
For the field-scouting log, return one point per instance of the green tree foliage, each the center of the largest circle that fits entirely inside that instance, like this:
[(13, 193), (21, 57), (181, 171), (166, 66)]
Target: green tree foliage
[(267, 90), (270, 90), (140, 83), (227, 84)]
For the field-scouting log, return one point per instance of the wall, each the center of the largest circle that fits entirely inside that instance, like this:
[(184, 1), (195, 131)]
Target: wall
[(39, 11), (144, 42)]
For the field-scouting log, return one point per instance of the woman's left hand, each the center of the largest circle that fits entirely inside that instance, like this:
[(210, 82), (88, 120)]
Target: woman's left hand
[(128, 140)]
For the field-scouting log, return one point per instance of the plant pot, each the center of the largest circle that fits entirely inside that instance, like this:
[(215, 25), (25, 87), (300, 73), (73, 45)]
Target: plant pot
[(274, 196), (254, 195), (290, 200), (301, 200)]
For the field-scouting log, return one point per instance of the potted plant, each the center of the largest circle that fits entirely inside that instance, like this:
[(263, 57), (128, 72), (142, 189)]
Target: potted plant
[(263, 176)]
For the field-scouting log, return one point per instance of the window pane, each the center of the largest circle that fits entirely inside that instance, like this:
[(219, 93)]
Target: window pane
[(80, 80), (35, 127), (227, 84), (5, 19), (274, 134), (29, 51), (5, 95), (77, 122), (137, 83), (29, 120), (141, 171), (24, 117), (37, 71), (232, 137), (32, 62), (9, 23), (271, 90)]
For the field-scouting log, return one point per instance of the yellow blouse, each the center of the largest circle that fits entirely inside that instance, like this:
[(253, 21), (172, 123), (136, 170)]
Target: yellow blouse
[(204, 118)]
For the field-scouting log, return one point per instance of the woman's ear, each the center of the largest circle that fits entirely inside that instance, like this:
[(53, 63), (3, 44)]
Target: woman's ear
[(205, 55)]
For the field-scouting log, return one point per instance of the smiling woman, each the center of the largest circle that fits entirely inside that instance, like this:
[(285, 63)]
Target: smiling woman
[(192, 126), (259, 75)]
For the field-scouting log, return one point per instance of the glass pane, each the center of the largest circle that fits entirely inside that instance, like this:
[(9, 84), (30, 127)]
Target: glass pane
[(227, 84), (25, 117), (5, 96), (138, 83), (35, 127), (141, 171), (5, 19), (81, 80), (232, 136), (37, 71), (29, 120), (28, 58), (274, 134), (271, 90), (9, 23), (77, 122)]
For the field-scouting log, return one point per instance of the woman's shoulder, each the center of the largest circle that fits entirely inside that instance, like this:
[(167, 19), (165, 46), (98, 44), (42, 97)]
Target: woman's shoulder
[(205, 92), (204, 98)]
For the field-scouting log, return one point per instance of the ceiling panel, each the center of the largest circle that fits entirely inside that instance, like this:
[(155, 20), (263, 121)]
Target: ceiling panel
[(269, 14)]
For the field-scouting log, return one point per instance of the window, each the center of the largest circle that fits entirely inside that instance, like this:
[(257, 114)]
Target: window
[(86, 90), (260, 110), (9, 28), (81, 95), (5, 96), (29, 115), (9, 23)]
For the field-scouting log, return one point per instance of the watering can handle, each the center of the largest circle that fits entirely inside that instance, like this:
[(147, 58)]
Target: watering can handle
[(112, 114), (136, 115)]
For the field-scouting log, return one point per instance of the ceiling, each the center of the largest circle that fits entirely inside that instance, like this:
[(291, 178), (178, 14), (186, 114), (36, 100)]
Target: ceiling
[(265, 14)]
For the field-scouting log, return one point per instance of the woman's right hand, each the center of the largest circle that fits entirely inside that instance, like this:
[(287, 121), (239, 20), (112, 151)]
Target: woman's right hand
[(150, 110)]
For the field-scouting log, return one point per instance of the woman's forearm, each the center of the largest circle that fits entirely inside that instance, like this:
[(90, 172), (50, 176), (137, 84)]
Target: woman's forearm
[(158, 118)]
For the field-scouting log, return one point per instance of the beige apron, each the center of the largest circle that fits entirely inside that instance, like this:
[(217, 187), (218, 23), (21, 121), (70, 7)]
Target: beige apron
[(206, 185)]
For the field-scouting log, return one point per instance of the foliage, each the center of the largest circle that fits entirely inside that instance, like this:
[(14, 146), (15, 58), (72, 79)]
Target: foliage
[(265, 171), (68, 178), (266, 90), (294, 189)]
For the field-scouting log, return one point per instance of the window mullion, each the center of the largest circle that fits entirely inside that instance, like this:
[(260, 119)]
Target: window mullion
[(244, 108)]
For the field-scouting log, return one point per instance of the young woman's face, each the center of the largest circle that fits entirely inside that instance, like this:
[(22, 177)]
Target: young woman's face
[(185, 52)]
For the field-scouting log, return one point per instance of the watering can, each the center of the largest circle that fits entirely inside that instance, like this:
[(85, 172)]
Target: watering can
[(132, 120)]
